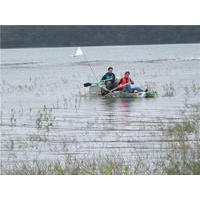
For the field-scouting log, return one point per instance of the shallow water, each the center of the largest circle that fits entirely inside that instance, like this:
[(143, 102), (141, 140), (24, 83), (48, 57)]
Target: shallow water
[(82, 125)]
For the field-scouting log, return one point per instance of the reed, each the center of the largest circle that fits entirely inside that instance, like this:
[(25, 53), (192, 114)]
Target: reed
[(169, 90)]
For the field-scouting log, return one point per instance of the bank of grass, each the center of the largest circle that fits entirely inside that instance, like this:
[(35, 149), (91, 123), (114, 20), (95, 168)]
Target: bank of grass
[(97, 166), (182, 156)]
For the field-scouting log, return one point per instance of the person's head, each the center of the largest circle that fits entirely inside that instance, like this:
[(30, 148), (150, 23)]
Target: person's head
[(110, 69), (127, 74)]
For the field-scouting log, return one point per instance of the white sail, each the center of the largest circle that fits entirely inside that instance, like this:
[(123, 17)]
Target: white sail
[(78, 52)]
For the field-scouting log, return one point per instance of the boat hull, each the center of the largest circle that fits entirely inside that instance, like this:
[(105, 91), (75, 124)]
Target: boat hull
[(96, 90), (119, 94)]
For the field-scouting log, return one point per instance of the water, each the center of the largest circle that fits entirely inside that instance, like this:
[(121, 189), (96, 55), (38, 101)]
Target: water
[(82, 125)]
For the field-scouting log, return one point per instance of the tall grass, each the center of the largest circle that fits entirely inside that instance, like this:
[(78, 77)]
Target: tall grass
[(45, 118), (169, 90), (182, 155), (98, 166)]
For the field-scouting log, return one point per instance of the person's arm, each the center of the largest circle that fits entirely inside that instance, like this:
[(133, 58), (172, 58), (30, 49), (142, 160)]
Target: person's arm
[(132, 82), (113, 77), (104, 77)]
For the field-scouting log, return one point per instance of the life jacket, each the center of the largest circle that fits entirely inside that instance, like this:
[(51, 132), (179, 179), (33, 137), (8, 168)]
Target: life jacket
[(124, 82)]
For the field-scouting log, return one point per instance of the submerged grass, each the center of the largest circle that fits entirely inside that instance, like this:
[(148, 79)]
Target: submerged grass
[(182, 155), (169, 90), (45, 118)]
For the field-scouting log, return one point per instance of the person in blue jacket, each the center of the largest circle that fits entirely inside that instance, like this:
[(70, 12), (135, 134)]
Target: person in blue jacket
[(109, 79)]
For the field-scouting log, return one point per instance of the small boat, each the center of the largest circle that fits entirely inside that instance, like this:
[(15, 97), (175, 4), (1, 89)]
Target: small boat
[(121, 94), (95, 89), (77, 53)]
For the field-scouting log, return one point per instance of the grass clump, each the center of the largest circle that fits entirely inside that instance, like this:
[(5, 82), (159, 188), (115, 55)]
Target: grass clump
[(45, 119), (169, 90), (195, 88), (184, 155)]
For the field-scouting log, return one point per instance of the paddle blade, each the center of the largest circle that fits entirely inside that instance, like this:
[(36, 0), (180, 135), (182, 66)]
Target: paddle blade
[(87, 84)]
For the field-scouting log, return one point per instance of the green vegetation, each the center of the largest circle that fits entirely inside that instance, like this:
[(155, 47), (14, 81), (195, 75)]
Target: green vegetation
[(169, 90), (45, 119), (182, 156)]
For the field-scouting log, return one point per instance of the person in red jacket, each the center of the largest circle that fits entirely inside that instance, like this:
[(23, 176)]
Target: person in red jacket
[(125, 81), (126, 84)]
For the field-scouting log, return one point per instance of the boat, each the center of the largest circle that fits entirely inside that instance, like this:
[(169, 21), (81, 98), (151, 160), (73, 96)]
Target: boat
[(95, 89), (121, 94), (77, 53)]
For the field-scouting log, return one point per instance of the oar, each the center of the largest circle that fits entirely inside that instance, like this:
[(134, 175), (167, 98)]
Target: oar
[(90, 84), (87, 84), (117, 87), (114, 89)]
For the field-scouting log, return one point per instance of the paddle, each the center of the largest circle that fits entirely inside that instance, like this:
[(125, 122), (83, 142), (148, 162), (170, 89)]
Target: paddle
[(114, 89), (87, 84), (90, 84), (117, 87)]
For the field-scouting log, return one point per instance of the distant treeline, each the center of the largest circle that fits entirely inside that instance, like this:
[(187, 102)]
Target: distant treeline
[(65, 36)]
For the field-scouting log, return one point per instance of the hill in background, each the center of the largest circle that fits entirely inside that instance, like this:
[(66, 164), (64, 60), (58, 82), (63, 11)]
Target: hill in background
[(65, 36)]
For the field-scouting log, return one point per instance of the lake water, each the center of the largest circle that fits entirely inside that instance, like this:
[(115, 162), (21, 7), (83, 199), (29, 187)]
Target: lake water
[(47, 114)]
